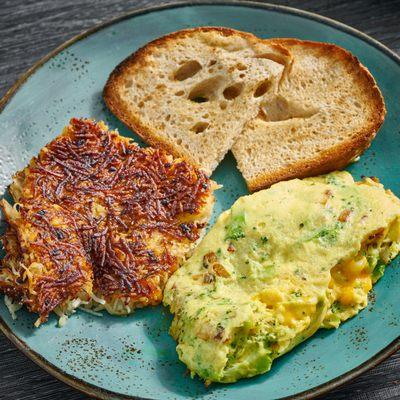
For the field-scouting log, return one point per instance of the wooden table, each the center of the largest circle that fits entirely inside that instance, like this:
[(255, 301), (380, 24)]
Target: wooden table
[(31, 28)]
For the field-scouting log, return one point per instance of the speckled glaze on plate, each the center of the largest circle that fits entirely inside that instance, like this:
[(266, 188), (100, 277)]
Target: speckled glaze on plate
[(112, 357)]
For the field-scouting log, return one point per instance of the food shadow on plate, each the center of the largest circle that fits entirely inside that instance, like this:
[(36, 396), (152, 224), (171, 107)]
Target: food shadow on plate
[(300, 363), (174, 376), (232, 186), (99, 111), (169, 370)]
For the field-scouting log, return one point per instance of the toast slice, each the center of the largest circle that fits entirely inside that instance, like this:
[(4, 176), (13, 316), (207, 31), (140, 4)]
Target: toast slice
[(325, 113), (191, 92)]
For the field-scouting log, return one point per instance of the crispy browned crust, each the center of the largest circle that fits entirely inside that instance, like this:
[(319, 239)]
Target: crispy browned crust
[(341, 155), (139, 60), (90, 209)]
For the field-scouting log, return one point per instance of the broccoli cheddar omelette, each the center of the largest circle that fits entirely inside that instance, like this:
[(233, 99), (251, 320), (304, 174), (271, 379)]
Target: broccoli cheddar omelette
[(99, 222), (276, 267)]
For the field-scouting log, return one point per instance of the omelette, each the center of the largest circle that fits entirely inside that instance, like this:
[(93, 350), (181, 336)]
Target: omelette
[(100, 223), (276, 267)]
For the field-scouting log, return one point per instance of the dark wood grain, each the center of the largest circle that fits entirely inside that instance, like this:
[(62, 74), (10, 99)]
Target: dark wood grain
[(30, 29)]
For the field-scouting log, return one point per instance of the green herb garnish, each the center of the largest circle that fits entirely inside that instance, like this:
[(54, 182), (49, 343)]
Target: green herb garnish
[(264, 239), (234, 230), (327, 235), (378, 270), (336, 307)]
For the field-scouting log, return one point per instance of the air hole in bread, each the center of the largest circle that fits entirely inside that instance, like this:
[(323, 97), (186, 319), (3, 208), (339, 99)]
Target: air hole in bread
[(212, 62), (241, 67), (179, 141), (128, 83), (199, 99), (280, 109), (262, 88), (206, 90), (233, 91), (211, 70), (262, 114), (180, 93), (168, 117), (141, 104), (223, 105), (357, 104), (160, 86), (187, 70), (200, 127), (242, 75)]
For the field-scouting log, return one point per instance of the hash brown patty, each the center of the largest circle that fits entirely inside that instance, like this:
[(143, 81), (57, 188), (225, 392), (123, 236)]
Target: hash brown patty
[(100, 222)]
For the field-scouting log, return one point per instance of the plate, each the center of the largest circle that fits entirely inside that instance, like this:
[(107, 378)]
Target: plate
[(114, 357)]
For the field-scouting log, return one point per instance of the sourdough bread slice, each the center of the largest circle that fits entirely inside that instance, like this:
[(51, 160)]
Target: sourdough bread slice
[(191, 92), (325, 113)]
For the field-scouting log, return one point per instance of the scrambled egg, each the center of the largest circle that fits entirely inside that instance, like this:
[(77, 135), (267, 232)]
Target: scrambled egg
[(276, 267)]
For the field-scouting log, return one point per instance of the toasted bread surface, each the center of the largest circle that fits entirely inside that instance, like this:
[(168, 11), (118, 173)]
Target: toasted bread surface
[(326, 112), (192, 91), (286, 107)]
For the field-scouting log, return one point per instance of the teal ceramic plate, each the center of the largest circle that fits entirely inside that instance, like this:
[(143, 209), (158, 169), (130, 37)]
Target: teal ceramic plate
[(113, 357)]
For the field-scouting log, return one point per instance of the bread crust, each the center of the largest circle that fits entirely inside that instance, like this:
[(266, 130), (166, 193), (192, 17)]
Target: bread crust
[(336, 157), (339, 156), (138, 60)]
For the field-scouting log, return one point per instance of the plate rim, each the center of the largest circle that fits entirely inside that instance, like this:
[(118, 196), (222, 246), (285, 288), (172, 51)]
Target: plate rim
[(105, 394)]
